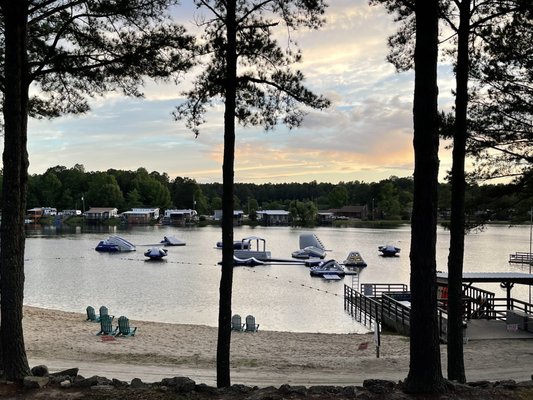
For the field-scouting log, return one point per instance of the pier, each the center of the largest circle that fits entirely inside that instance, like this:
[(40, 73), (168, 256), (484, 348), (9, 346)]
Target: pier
[(521, 257), (485, 315)]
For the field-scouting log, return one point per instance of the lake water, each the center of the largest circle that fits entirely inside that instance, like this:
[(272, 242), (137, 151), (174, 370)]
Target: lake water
[(63, 271)]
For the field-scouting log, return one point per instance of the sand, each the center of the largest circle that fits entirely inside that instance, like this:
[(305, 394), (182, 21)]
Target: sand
[(64, 339)]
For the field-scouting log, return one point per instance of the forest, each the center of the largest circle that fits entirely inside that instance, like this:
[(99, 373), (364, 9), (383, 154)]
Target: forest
[(75, 188)]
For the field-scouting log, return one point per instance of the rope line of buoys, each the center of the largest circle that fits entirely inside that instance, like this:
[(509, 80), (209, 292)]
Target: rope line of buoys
[(297, 283), (249, 269)]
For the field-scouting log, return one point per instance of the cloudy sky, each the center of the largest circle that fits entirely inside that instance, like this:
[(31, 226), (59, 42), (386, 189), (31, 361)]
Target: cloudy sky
[(366, 135)]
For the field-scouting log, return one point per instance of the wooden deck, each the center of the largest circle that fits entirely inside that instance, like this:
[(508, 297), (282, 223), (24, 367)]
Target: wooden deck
[(482, 329), (521, 257), (494, 318)]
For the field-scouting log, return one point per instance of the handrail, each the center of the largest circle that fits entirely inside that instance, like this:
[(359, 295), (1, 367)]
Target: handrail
[(377, 289), (521, 257), (366, 310)]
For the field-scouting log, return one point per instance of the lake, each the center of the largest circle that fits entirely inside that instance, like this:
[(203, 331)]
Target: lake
[(63, 271)]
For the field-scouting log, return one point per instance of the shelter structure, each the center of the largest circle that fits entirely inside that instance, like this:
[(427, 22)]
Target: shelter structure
[(507, 280)]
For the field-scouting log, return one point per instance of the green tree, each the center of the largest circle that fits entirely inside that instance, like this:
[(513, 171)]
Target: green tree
[(251, 73), (133, 199), (70, 51), (389, 200), (471, 22), (338, 197), (200, 202), (183, 192), (303, 212), (152, 192), (253, 206), (216, 203), (50, 189), (473, 19), (104, 191), (501, 127)]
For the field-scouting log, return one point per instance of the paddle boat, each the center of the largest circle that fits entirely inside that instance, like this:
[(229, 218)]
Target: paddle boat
[(389, 250), (328, 269), (354, 260), (156, 253)]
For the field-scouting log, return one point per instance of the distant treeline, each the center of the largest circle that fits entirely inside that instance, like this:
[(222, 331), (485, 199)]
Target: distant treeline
[(74, 188)]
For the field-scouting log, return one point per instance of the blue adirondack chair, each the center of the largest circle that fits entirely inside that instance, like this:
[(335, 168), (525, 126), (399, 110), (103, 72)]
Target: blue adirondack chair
[(236, 323), (91, 315), (251, 326), (124, 329), (106, 325)]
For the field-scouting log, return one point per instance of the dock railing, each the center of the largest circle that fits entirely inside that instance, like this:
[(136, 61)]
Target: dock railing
[(500, 306), (389, 305), (377, 289), (477, 303), (367, 306), (366, 310), (521, 257)]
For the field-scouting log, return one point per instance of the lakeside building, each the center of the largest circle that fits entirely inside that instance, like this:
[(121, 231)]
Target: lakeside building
[(238, 216), (180, 217), (141, 215), (274, 217), (100, 213)]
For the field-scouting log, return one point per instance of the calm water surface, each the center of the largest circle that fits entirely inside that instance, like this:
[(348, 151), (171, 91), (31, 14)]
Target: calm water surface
[(63, 271)]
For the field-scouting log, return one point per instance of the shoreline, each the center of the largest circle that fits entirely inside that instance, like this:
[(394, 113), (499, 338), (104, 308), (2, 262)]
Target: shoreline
[(63, 340)]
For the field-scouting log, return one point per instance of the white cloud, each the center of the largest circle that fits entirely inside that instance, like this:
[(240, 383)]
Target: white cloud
[(366, 134)]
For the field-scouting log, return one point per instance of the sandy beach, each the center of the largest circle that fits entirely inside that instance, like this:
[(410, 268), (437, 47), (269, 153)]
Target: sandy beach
[(64, 339)]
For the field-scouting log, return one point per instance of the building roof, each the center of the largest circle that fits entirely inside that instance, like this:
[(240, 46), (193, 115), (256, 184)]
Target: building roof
[(100, 209), (273, 212)]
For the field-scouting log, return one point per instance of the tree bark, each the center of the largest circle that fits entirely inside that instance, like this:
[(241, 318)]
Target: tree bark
[(456, 367), (425, 373), (226, 281), (15, 158)]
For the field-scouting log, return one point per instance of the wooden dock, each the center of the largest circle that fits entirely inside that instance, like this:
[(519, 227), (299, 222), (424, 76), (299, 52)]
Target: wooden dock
[(521, 257), (486, 317)]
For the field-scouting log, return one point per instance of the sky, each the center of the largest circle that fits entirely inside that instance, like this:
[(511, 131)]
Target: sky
[(365, 135)]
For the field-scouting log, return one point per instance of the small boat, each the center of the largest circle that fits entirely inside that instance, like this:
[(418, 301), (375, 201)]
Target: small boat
[(114, 244), (354, 260), (105, 247), (172, 241), (237, 245), (328, 268), (253, 246), (309, 252), (389, 250), (156, 253)]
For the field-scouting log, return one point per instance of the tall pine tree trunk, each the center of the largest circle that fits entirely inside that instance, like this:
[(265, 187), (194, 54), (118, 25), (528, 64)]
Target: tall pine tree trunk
[(15, 158), (456, 367), (425, 373), (226, 281)]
